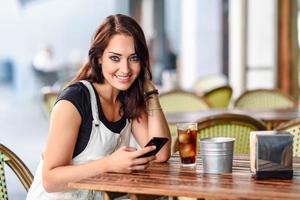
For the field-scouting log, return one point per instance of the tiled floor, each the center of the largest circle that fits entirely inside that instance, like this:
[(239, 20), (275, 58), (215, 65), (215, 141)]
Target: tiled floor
[(23, 128)]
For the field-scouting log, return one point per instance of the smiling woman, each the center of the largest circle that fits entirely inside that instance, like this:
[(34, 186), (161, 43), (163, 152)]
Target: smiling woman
[(97, 114)]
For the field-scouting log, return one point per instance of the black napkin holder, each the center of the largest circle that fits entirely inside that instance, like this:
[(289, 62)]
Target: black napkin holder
[(271, 154)]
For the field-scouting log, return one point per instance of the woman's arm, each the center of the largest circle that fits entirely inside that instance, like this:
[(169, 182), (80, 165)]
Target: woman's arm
[(153, 124), (57, 169)]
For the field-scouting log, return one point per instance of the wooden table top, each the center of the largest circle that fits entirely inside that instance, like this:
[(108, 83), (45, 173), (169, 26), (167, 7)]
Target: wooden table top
[(265, 115), (171, 179)]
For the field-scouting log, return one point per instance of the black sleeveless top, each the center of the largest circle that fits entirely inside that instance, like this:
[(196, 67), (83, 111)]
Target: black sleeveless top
[(79, 96)]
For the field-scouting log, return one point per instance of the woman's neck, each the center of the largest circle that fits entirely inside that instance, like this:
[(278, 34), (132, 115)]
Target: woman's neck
[(107, 92), (109, 101)]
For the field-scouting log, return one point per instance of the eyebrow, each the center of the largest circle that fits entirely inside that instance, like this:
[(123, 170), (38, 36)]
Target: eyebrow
[(121, 54)]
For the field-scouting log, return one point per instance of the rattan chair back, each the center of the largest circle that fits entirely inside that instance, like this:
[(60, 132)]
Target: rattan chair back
[(179, 101), (209, 82), (230, 125), (265, 99), (17, 166), (293, 127), (49, 98), (219, 97)]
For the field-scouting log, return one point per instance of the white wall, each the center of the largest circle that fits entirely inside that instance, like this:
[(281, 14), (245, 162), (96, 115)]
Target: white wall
[(253, 44), (262, 44), (201, 44)]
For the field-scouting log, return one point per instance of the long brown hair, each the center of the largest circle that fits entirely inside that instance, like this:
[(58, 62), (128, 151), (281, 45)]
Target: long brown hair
[(132, 100)]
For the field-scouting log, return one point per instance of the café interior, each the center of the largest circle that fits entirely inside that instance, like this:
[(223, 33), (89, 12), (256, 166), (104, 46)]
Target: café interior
[(231, 66)]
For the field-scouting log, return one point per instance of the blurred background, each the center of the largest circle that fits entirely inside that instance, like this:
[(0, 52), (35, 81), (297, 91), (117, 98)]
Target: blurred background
[(244, 44)]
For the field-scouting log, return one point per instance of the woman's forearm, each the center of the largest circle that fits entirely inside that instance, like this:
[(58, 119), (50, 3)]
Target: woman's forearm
[(57, 179), (123, 160), (158, 126)]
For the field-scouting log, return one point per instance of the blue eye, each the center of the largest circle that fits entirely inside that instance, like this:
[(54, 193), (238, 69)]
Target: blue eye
[(114, 58), (134, 58)]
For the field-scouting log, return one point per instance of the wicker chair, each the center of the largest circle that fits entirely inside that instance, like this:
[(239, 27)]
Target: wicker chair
[(293, 127), (49, 98), (219, 97), (265, 99), (209, 82), (17, 166), (180, 101), (229, 125)]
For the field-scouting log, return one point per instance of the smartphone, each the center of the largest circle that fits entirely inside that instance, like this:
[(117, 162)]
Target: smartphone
[(159, 142)]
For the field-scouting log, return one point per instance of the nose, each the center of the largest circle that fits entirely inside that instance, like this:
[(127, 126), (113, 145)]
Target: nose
[(125, 67)]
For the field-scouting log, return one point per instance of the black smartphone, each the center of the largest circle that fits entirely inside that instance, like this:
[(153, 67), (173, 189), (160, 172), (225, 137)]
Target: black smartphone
[(159, 142)]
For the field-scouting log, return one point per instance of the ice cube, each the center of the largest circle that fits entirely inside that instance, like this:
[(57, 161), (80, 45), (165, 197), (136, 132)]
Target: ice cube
[(187, 150), (184, 137)]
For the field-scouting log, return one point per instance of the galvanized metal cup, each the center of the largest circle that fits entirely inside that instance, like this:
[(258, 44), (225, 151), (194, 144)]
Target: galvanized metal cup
[(217, 154)]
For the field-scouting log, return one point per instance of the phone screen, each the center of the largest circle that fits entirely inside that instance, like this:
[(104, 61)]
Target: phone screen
[(159, 142)]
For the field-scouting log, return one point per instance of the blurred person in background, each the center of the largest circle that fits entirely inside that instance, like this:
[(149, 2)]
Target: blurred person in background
[(111, 100), (45, 67)]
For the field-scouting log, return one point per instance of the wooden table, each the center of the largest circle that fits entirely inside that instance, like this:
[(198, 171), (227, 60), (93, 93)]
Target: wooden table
[(271, 117), (170, 179)]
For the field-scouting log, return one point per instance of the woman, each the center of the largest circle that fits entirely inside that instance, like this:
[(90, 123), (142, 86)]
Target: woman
[(111, 98)]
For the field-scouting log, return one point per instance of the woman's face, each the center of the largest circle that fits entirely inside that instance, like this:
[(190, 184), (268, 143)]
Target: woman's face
[(120, 63)]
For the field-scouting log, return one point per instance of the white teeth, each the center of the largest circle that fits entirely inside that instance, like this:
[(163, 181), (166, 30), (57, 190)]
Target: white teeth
[(122, 77)]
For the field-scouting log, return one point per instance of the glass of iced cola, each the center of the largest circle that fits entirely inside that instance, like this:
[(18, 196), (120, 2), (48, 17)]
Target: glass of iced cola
[(187, 141)]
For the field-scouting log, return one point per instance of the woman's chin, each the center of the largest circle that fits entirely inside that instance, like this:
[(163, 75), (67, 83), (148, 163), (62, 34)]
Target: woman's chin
[(122, 87)]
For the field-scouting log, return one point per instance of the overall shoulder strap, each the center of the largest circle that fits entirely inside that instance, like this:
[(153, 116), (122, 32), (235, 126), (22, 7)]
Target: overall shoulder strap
[(94, 105)]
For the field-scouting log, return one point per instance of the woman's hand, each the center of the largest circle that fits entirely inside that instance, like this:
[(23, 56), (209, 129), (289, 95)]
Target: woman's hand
[(125, 159)]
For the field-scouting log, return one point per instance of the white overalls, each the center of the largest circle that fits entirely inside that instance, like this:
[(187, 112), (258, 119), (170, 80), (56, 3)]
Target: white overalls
[(102, 142)]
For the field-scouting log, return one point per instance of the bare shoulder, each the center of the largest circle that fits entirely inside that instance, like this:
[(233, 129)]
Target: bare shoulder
[(64, 110)]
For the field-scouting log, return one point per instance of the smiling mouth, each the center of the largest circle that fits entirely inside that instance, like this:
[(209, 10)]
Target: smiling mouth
[(122, 77)]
